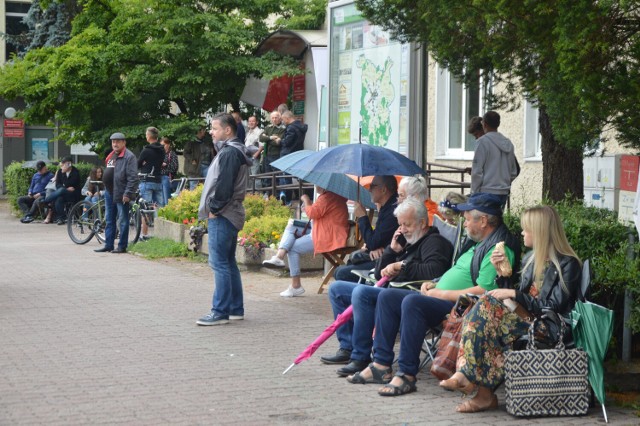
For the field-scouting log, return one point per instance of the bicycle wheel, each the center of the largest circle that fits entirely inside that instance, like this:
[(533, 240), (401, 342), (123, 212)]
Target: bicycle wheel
[(80, 223), (100, 221), (135, 223)]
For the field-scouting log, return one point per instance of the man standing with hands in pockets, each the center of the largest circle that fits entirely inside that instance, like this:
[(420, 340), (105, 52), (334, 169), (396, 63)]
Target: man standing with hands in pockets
[(221, 204)]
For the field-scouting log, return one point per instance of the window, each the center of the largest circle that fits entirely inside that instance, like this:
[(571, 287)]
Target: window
[(531, 137), (15, 12), (455, 105)]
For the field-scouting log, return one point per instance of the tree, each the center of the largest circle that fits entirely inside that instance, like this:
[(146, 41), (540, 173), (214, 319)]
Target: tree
[(555, 53), (134, 63)]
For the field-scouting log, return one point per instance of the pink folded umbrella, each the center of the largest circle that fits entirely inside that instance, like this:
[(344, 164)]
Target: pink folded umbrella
[(328, 332)]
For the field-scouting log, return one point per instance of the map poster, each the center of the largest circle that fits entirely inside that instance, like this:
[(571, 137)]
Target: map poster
[(369, 83), (39, 149)]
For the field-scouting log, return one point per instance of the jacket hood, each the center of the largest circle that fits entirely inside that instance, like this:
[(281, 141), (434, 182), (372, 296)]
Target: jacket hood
[(500, 141), (300, 125), (156, 146), (235, 143)]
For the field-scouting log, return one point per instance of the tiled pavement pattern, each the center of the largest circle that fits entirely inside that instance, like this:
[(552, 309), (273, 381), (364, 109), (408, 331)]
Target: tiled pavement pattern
[(89, 338)]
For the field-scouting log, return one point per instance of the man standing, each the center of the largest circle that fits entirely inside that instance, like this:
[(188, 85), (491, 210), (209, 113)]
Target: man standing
[(494, 164), (253, 140), (198, 155), (294, 134), (30, 202), (150, 164), (241, 134), (270, 139), (221, 204), (120, 180)]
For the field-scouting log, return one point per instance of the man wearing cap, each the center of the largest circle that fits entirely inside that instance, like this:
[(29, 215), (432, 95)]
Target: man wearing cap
[(412, 314), (29, 203), (120, 180)]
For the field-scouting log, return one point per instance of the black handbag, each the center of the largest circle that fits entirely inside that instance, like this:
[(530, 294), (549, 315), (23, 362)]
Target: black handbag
[(546, 382)]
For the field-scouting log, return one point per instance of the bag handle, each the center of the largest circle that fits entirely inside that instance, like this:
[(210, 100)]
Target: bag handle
[(531, 344)]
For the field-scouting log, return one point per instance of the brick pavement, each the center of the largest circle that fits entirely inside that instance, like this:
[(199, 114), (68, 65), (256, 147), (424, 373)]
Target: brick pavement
[(111, 339)]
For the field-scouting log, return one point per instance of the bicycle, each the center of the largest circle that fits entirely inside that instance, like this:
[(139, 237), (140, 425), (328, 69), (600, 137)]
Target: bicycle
[(86, 220)]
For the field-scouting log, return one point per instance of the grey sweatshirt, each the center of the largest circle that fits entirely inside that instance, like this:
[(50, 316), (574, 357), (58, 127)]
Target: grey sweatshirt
[(494, 165)]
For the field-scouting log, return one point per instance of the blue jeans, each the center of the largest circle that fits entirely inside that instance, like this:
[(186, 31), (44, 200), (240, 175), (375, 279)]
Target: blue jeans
[(58, 198), (355, 335), (166, 189), (92, 200), (153, 192), (295, 247), (412, 314), (119, 211), (343, 273), (227, 295)]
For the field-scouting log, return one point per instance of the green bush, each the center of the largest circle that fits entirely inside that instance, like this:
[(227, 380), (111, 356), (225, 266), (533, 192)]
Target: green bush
[(184, 207), (256, 206), (596, 234), (262, 231), (18, 179)]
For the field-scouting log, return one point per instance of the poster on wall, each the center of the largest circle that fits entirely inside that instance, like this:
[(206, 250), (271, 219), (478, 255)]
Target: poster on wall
[(39, 149), (369, 75)]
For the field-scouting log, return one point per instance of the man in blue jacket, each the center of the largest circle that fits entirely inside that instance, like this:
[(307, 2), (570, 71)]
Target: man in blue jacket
[(29, 203)]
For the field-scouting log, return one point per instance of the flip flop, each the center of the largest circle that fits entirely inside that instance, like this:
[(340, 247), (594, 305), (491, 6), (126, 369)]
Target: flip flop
[(470, 406)]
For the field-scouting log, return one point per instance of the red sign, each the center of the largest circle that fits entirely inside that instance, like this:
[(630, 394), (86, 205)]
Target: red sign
[(629, 165), (13, 133), (13, 124)]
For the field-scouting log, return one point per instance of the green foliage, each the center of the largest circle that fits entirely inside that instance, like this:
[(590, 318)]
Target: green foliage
[(184, 207), (256, 206), (263, 231), (129, 64), (302, 15), (596, 234), (157, 248)]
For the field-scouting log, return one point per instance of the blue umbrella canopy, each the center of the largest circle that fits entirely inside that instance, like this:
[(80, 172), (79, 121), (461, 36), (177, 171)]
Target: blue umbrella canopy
[(338, 183), (359, 159)]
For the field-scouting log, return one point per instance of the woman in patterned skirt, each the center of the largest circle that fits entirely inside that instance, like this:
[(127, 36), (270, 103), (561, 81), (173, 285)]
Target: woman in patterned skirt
[(551, 276)]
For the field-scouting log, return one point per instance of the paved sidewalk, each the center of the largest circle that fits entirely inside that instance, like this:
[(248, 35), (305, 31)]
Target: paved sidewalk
[(89, 338)]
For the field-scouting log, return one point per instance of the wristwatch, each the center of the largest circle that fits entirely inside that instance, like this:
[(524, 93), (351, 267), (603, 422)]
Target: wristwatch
[(403, 265)]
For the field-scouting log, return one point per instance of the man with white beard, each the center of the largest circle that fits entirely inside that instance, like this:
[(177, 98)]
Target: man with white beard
[(417, 252)]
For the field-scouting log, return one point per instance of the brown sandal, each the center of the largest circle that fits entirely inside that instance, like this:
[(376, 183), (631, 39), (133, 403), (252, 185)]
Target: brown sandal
[(471, 406), (454, 385)]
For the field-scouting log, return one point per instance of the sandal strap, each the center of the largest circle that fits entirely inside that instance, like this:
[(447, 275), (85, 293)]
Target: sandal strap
[(406, 383), (378, 373)]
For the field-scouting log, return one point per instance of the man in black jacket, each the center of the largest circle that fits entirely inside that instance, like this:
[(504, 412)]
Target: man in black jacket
[(425, 256), (68, 187), (150, 163), (292, 141)]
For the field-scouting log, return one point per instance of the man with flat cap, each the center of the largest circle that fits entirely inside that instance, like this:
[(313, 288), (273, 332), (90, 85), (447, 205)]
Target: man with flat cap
[(120, 180)]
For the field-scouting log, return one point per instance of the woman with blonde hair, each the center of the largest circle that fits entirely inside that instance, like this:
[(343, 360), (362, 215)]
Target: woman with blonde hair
[(551, 276)]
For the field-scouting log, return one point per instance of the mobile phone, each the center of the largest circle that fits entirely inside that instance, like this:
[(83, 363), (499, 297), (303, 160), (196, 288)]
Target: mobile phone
[(400, 239)]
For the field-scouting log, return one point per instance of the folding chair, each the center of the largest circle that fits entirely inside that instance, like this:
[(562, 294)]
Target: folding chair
[(336, 257)]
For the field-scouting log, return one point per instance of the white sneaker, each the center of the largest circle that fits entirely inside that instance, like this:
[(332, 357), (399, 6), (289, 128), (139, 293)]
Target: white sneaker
[(292, 292), (274, 262), (236, 317)]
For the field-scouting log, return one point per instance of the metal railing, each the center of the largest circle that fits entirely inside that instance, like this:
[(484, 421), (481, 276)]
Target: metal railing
[(434, 172)]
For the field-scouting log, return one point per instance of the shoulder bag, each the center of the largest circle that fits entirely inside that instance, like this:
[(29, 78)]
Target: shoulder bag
[(444, 364), (546, 382)]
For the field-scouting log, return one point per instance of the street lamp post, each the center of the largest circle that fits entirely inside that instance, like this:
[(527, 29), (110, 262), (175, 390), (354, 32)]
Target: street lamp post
[(9, 113)]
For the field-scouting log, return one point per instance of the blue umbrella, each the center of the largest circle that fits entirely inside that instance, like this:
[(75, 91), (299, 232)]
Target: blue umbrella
[(339, 183), (359, 159)]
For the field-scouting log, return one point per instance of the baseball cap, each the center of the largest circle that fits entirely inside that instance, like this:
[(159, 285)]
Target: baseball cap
[(40, 164), (483, 202), (118, 136), (67, 159)]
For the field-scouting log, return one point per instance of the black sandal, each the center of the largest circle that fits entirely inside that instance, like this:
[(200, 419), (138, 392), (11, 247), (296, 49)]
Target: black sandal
[(407, 386), (377, 376)]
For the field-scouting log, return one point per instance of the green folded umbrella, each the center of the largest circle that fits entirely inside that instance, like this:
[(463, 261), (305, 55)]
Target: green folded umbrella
[(592, 327)]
